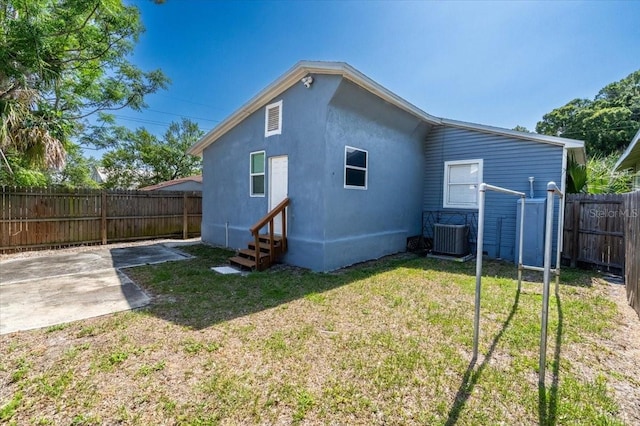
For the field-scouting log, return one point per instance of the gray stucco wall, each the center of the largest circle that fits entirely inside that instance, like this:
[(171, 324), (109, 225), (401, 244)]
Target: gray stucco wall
[(366, 224), (226, 173), (329, 226), (508, 162)]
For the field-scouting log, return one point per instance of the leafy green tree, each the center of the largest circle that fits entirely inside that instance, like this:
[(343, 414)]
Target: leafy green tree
[(77, 170), (606, 124), (16, 171), (60, 62), (138, 158), (520, 128)]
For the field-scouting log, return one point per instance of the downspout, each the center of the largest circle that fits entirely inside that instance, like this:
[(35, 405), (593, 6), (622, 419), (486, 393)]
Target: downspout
[(226, 234)]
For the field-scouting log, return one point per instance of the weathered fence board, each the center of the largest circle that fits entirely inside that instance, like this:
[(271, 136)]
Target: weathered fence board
[(632, 235), (47, 218), (604, 231), (594, 231)]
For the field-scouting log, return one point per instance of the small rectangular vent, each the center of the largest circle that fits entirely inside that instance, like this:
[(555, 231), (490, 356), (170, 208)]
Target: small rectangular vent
[(450, 239), (273, 120)]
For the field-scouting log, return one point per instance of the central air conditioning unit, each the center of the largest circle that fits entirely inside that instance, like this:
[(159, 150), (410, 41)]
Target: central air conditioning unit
[(450, 239)]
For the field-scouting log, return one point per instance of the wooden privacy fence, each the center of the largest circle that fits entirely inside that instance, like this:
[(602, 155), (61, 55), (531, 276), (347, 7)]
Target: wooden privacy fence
[(632, 235), (48, 218), (603, 230), (594, 231)]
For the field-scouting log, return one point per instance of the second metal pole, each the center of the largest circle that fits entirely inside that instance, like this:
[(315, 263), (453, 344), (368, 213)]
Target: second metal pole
[(476, 319), (546, 279)]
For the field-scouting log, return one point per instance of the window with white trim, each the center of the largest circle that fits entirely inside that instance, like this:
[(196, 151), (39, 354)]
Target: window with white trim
[(256, 174), (273, 119), (355, 168), (461, 181)]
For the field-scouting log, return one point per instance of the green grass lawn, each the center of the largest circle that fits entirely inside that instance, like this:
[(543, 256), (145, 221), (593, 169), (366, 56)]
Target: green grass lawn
[(385, 342)]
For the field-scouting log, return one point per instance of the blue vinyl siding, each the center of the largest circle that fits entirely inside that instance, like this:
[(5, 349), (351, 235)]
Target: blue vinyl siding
[(508, 162)]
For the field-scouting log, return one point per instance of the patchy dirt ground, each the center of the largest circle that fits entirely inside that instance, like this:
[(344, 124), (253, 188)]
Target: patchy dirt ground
[(625, 344)]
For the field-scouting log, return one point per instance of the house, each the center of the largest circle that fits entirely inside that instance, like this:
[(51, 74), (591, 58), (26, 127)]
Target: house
[(190, 183), (98, 174), (361, 167), (630, 159)]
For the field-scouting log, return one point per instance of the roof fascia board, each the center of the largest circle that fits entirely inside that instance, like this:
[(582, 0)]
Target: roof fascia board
[(302, 68), (291, 77), (370, 85), (622, 162), (553, 140), (262, 98)]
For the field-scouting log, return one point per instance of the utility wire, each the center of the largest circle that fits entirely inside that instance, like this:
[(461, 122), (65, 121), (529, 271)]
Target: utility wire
[(182, 115), (147, 121), (189, 102)]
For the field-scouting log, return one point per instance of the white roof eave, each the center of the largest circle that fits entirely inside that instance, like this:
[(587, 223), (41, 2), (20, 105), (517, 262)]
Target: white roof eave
[(293, 76), (576, 146), (303, 68), (625, 162)]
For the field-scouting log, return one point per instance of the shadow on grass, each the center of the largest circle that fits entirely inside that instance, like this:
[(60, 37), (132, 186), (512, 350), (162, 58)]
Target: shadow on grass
[(190, 294), (547, 412), (571, 277), (472, 375)]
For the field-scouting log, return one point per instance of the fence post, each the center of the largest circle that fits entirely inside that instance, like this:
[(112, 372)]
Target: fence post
[(631, 206), (103, 217), (185, 217), (575, 237)]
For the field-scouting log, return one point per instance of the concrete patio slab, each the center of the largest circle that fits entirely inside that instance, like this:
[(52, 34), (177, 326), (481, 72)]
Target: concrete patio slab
[(43, 291)]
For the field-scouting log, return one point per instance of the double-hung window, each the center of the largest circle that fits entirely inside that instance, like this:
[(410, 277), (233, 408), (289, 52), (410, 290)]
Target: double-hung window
[(461, 181), (256, 174), (356, 162)]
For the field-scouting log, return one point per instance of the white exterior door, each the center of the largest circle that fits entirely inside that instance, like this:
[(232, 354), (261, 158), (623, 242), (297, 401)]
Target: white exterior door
[(278, 186)]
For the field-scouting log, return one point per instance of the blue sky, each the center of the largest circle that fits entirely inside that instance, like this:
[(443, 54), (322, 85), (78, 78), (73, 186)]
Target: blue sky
[(495, 63)]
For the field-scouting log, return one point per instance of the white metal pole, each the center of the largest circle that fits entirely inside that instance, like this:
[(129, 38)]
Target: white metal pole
[(551, 186), (560, 239), (480, 237), (521, 245)]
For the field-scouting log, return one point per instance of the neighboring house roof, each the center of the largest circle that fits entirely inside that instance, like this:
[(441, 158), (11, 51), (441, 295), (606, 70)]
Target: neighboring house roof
[(303, 68), (99, 174), (173, 182), (631, 156)]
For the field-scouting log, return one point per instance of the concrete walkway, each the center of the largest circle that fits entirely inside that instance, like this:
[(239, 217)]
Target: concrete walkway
[(47, 290)]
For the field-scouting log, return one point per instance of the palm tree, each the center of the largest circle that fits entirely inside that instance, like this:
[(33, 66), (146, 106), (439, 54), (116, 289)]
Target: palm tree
[(23, 130)]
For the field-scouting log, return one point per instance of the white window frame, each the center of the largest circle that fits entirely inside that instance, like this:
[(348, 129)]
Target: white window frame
[(365, 168), (445, 190), (263, 174), (277, 131)]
